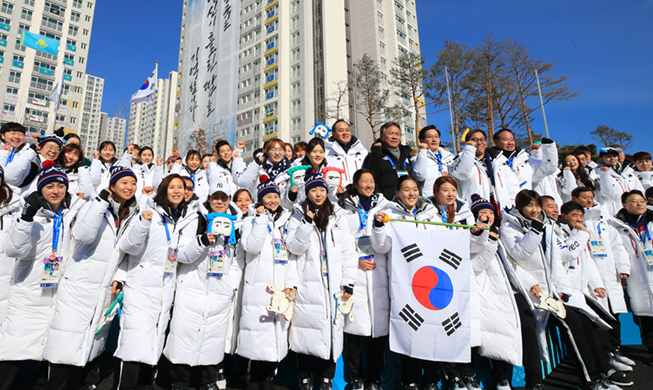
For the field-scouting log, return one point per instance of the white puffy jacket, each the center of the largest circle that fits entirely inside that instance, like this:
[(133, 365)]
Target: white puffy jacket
[(147, 176), (84, 293), (314, 330), (79, 181), (100, 171), (8, 214), (221, 171), (30, 307), (263, 335), (250, 179), (646, 178), (612, 185), (532, 169), (350, 161), (617, 260), (372, 297), (148, 292), (24, 170), (201, 179), (472, 178), (427, 170), (640, 281), (201, 314)]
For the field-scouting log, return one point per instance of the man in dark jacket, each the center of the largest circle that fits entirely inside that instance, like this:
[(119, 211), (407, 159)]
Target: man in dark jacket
[(388, 159)]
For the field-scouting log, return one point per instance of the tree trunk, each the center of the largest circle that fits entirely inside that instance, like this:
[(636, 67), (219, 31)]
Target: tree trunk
[(454, 105), (490, 108), (522, 99)]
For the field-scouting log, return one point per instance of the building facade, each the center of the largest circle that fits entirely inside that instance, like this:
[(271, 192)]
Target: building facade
[(113, 129), (151, 124), (297, 63), (27, 76), (89, 132)]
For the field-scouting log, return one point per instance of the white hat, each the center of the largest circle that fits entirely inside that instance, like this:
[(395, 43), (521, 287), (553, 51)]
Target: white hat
[(220, 185)]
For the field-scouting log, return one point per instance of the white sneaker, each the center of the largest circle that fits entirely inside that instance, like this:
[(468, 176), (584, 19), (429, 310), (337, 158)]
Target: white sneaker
[(617, 365), (504, 385), (609, 385), (457, 384), (622, 359), (470, 383)]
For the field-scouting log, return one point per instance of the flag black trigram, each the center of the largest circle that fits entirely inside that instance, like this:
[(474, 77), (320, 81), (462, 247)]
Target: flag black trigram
[(411, 317), (411, 252), (451, 324), (450, 258)]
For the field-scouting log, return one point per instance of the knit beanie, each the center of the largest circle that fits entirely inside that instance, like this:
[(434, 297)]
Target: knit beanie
[(51, 173), (479, 204), (314, 179), (2, 173), (118, 172), (267, 186), (50, 138)]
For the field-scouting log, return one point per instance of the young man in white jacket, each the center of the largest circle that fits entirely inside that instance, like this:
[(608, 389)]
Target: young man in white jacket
[(432, 160), (612, 182), (611, 258)]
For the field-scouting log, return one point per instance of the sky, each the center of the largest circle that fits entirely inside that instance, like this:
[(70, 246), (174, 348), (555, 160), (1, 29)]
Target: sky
[(604, 46)]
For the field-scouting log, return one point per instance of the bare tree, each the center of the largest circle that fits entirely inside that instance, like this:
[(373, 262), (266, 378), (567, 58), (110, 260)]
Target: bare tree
[(609, 136), (407, 76), (121, 108), (459, 60), (337, 99), (373, 99)]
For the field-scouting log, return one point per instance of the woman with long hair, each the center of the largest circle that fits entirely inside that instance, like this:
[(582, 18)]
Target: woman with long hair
[(242, 199), (574, 175), (407, 204), (71, 160), (88, 285), (263, 334), (359, 203), (153, 243), (326, 267), (40, 242)]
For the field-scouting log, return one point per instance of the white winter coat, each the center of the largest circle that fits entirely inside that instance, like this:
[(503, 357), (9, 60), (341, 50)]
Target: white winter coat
[(473, 179), (532, 169), (148, 293), (79, 181), (30, 306), (646, 178), (351, 161), (250, 179), (201, 180), (23, 171), (640, 281), (314, 331), (617, 260), (220, 171), (611, 186), (372, 297), (8, 214), (201, 314), (147, 176), (427, 170), (84, 293), (567, 183), (263, 335), (100, 171)]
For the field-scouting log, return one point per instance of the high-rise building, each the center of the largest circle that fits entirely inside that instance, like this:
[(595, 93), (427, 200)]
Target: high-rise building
[(89, 132), (297, 57), (27, 76), (113, 129), (151, 124)]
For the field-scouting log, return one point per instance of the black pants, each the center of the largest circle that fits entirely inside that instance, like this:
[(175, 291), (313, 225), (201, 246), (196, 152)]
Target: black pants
[(584, 333), (8, 370), (609, 340), (182, 374), (260, 371), (646, 331), (459, 370), (133, 375), (64, 375), (375, 356), (530, 348), (327, 367), (411, 371)]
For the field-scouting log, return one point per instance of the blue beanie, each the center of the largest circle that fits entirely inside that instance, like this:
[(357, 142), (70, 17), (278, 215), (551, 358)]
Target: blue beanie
[(2, 173), (50, 138), (118, 172), (314, 179), (51, 173), (267, 186), (479, 204)]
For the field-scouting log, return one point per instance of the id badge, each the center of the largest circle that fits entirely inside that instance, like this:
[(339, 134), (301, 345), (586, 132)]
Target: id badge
[(216, 263), (171, 262), (280, 252), (364, 248), (51, 271), (597, 248), (325, 268), (520, 179), (402, 173), (648, 253)]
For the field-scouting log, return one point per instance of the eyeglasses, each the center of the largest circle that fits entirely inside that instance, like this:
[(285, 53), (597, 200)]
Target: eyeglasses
[(481, 140), (280, 150), (190, 188)]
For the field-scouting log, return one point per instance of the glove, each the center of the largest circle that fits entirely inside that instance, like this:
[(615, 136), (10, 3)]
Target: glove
[(33, 203), (104, 195)]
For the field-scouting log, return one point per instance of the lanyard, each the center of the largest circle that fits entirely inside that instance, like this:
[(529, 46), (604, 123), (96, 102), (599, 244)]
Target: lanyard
[(165, 225), (12, 155), (510, 161), (641, 237), (192, 176), (362, 214), (58, 221), (439, 160), (598, 227), (393, 163)]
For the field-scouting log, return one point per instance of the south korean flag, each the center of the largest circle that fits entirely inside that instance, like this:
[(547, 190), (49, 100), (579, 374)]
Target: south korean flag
[(429, 292)]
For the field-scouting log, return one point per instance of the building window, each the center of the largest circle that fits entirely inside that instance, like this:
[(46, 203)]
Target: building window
[(77, 3), (7, 8), (382, 48), (381, 33), (295, 71), (26, 15), (296, 106), (379, 17), (29, 2), (295, 88), (296, 126), (73, 30), (294, 22), (52, 24), (14, 77), (294, 40), (295, 55), (74, 16)]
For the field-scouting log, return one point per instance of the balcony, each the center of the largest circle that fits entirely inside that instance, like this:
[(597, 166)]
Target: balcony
[(47, 72)]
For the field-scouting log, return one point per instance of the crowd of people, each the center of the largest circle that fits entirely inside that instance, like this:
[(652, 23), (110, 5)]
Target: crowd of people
[(209, 258)]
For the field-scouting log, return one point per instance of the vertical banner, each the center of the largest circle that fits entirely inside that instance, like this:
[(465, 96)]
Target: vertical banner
[(429, 293), (209, 96)]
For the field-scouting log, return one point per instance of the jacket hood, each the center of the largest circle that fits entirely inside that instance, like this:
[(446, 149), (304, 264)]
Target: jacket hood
[(377, 200), (423, 204), (355, 148), (463, 212), (515, 217), (621, 215)]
